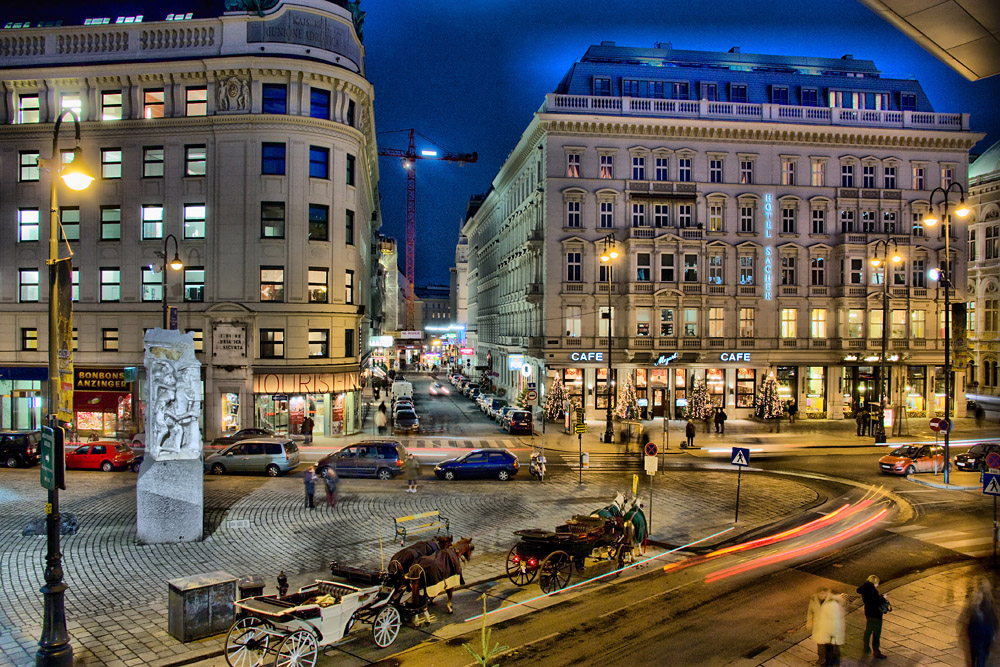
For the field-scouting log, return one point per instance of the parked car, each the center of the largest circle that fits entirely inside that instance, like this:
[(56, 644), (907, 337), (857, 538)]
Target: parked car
[(469, 388), (382, 459), (474, 393), (479, 463), (243, 434), (504, 414), (493, 407), (975, 458), (139, 440), (19, 448), (106, 456), (520, 422), (909, 459), (482, 399), (269, 455), (405, 421)]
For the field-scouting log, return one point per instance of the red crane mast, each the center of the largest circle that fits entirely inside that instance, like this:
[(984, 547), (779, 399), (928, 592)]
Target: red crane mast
[(409, 158)]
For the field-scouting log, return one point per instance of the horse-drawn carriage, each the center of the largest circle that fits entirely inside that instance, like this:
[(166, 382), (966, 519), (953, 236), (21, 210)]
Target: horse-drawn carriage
[(293, 627), (612, 533)]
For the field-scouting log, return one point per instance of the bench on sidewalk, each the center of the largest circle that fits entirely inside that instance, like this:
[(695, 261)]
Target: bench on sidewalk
[(420, 523)]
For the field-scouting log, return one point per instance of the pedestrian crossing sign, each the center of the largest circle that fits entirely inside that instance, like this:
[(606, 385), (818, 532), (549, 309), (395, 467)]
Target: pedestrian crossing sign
[(741, 456), (991, 484)]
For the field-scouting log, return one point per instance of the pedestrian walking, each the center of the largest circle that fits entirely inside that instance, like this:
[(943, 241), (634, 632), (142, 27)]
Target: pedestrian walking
[(859, 419), (689, 434), (380, 421), (979, 624), (866, 421), (825, 617), (793, 409), (876, 605), (411, 469), (307, 429), (309, 477), (331, 481), (720, 421)]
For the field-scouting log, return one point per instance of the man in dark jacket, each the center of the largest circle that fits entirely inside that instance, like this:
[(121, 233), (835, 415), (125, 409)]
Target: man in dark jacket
[(873, 615)]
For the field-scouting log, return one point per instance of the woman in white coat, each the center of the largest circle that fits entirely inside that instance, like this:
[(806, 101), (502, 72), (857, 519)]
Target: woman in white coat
[(825, 618)]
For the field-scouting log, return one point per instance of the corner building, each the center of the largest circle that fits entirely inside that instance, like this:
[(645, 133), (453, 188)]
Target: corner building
[(248, 138), (747, 195)]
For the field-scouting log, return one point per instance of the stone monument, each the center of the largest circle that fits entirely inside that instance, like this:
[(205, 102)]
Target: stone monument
[(170, 488)]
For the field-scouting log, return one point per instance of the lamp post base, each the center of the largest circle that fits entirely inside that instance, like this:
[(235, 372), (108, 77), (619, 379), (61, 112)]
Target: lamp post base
[(880, 434)]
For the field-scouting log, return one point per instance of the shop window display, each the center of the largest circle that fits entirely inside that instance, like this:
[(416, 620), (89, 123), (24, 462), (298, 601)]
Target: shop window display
[(715, 381), (815, 402), (916, 403), (745, 381)]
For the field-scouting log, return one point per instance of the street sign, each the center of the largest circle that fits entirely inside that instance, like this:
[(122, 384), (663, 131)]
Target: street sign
[(993, 460), (579, 428), (531, 385), (741, 456), (52, 458), (532, 395), (936, 424), (651, 464), (579, 415), (635, 484), (651, 449), (945, 426), (991, 484)]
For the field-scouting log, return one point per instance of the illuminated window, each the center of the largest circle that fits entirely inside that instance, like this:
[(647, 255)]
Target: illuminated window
[(715, 269), (746, 270), (898, 324), (195, 160), (28, 110), (855, 323), (196, 101), (27, 224), (194, 221), (109, 340), (817, 323), (28, 285), (788, 172), (607, 166), (152, 222), (194, 283), (746, 322), (152, 284), (715, 323), (715, 217), (572, 165), (875, 323), (70, 101), (918, 323), (28, 166), (666, 321), (573, 320), (789, 317), (817, 173), (111, 105), (152, 161), (272, 283), (272, 220), (199, 339), (918, 177), (152, 103), (111, 163), (111, 284), (317, 287), (69, 217), (690, 322), (111, 223), (746, 172), (29, 340), (349, 286), (319, 343), (272, 343)]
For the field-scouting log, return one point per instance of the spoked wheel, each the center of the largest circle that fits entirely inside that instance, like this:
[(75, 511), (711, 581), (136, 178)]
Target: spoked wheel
[(624, 555), (247, 643), (517, 569), (299, 649), (386, 626), (555, 571)]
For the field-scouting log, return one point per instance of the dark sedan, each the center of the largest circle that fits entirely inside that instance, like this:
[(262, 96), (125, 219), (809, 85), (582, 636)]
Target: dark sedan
[(479, 463), (405, 421), (975, 458), (242, 434)]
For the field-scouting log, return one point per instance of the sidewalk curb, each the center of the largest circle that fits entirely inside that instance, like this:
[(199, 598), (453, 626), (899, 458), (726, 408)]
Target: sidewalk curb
[(942, 485)]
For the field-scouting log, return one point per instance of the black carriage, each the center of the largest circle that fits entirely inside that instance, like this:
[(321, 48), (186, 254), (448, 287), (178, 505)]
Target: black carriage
[(552, 555)]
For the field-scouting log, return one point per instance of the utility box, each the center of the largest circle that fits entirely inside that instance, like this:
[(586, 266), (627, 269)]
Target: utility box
[(585, 460), (201, 605), (250, 586)]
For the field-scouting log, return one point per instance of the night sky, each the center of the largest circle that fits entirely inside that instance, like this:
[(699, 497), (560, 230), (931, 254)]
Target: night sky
[(468, 74)]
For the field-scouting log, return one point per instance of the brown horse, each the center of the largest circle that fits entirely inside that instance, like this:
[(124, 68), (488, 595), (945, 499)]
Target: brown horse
[(438, 573), (401, 561)]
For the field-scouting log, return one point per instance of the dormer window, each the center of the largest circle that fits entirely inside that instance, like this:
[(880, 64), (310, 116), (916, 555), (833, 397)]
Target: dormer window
[(602, 87), (779, 94)]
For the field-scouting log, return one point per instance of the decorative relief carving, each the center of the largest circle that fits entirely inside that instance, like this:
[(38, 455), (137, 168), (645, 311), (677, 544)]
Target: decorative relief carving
[(233, 94), (174, 405)]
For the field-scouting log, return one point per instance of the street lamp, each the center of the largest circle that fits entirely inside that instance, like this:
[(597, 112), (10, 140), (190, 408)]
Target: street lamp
[(176, 264), (609, 254), (884, 263), (945, 275), (53, 646)]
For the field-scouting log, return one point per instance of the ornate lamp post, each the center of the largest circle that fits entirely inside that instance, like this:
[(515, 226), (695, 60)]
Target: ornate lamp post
[(609, 254), (884, 263), (944, 275), (53, 646), (176, 264)]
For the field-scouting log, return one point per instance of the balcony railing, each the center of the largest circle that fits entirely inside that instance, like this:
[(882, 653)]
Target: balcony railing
[(692, 289), (789, 290), (573, 288), (642, 288), (789, 342), (666, 343), (766, 113), (817, 343), (748, 290), (642, 232), (816, 290), (716, 289), (642, 343), (602, 288)]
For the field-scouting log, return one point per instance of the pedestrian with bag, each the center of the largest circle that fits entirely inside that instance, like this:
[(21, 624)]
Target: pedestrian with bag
[(689, 434), (309, 477), (411, 470), (825, 617), (876, 606), (331, 481)]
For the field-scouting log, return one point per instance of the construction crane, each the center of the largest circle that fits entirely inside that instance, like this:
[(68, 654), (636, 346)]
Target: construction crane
[(409, 160)]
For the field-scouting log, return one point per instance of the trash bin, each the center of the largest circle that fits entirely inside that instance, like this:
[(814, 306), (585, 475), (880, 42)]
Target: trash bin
[(251, 585), (584, 460)]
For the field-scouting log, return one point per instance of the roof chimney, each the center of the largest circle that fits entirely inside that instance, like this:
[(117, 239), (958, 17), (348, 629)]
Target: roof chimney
[(847, 56), (663, 45), (607, 43), (735, 49)]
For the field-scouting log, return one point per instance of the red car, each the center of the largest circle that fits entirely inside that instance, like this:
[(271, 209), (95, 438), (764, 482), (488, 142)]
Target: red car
[(106, 456), (908, 459)]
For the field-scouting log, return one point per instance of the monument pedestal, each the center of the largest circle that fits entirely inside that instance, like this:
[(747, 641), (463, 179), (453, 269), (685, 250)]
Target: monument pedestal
[(170, 501)]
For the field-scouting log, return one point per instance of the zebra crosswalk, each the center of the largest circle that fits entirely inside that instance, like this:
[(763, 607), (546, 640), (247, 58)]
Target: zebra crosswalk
[(976, 542), (462, 443)]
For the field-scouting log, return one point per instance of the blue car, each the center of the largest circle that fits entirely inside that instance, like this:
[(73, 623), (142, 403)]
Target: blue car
[(479, 463)]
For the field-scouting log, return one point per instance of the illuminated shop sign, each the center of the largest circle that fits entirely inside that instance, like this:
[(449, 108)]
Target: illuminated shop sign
[(467, 351), (768, 250), (734, 356), (587, 356), (515, 361), (665, 359)]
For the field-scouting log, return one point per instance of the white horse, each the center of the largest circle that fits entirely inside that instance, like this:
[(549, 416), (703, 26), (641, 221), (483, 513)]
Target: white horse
[(615, 510)]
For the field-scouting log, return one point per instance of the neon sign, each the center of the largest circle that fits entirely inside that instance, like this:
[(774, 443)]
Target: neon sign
[(768, 250), (665, 359)]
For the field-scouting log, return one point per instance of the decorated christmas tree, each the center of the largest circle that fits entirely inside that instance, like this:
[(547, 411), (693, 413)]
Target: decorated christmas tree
[(522, 399), (699, 404), (768, 404), (627, 406), (554, 400)]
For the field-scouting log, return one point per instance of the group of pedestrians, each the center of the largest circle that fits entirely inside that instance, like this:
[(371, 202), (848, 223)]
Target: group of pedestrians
[(330, 481)]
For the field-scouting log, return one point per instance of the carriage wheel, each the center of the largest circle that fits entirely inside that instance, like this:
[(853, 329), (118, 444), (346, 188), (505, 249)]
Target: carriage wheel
[(386, 626), (247, 642), (299, 649), (624, 555), (517, 569), (555, 571)]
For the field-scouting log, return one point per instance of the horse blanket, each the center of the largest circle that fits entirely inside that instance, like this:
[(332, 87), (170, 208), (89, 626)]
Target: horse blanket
[(442, 571), (636, 516), (405, 558)]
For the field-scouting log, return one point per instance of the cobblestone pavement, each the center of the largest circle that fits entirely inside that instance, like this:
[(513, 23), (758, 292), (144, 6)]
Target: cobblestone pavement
[(117, 599)]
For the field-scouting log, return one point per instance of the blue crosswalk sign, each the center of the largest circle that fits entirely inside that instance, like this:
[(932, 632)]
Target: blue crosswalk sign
[(991, 484), (741, 456)]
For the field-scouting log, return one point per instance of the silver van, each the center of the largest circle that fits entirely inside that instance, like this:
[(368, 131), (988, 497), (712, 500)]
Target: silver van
[(273, 456)]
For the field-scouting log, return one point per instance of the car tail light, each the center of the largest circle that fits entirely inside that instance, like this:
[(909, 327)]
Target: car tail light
[(399, 462)]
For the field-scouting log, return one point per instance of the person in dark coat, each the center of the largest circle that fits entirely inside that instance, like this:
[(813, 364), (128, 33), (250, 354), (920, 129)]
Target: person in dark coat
[(720, 421), (689, 434), (859, 419), (793, 409), (979, 622), (331, 480), (309, 478), (307, 429), (873, 601)]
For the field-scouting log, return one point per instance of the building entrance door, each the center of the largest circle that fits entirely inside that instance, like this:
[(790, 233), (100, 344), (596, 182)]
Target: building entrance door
[(659, 402)]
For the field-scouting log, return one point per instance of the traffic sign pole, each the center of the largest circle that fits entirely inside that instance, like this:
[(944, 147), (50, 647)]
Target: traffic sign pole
[(739, 478), (740, 459)]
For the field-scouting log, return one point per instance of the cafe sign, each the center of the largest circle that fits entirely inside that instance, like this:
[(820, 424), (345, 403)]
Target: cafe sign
[(587, 356)]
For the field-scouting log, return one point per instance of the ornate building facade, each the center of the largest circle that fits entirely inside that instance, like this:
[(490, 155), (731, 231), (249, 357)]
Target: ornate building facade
[(984, 280), (746, 196), (245, 138)]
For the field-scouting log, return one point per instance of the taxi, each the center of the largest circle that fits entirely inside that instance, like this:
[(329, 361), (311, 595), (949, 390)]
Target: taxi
[(909, 459)]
